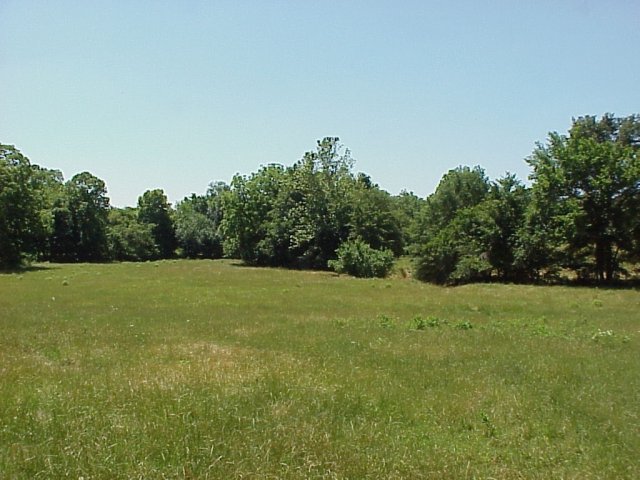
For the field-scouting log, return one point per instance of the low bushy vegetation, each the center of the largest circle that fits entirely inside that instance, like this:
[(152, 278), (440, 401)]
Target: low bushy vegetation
[(358, 259), (204, 369)]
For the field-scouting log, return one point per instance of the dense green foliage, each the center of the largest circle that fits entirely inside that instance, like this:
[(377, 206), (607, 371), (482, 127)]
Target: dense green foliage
[(299, 216), (226, 372), (586, 197), (475, 237), (580, 217), (407, 208), (454, 229), (19, 221), (581, 213), (357, 258), (82, 220), (198, 220), (154, 210), (130, 239)]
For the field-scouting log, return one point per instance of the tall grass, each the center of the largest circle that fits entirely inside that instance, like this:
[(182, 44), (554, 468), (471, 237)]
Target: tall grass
[(204, 369)]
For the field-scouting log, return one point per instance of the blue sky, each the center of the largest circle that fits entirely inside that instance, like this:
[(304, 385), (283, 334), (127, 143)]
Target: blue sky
[(175, 95)]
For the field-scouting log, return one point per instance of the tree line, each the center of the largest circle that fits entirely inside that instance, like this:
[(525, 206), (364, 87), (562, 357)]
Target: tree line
[(580, 214)]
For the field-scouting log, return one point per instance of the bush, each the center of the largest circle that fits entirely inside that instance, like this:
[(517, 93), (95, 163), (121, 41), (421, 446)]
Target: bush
[(357, 258), (438, 259)]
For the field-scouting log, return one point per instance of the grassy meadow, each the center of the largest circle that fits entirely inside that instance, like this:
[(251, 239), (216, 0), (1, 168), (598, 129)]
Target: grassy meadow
[(207, 369)]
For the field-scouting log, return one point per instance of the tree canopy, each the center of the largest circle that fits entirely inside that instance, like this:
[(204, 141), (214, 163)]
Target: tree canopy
[(19, 207), (155, 211), (299, 216), (586, 195), (580, 215)]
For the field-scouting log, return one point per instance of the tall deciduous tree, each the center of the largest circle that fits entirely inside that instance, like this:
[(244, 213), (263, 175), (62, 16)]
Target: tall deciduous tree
[(462, 187), (130, 239), (407, 207), (299, 216), (154, 210), (249, 213), (443, 242), (588, 184), (49, 188), (507, 203), (80, 220), (311, 212), (373, 217), (471, 228), (20, 222), (198, 220)]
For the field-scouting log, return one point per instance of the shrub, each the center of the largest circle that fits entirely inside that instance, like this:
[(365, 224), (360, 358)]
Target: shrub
[(357, 258)]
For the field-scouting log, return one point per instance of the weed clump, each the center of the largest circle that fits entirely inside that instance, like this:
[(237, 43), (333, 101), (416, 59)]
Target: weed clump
[(420, 323), (385, 321), (341, 322), (466, 325), (435, 322)]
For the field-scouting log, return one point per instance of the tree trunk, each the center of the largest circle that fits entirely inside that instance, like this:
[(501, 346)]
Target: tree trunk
[(605, 268)]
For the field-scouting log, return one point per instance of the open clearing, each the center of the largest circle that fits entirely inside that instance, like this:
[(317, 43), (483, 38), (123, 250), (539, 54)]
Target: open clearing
[(205, 369)]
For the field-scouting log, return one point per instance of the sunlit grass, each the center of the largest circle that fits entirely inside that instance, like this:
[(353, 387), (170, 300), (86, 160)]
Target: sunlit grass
[(199, 369)]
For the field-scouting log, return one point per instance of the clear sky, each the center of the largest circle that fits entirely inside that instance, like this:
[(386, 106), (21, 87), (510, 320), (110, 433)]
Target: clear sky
[(176, 94)]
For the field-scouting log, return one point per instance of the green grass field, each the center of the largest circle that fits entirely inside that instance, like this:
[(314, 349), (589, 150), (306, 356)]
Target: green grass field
[(203, 369)]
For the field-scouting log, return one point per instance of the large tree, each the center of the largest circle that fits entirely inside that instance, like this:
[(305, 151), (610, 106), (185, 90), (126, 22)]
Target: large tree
[(407, 207), (311, 212), (507, 203), (20, 221), (462, 187), (446, 217), (154, 209), (249, 215), (198, 220), (80, 220), (471, 228), (373, 217), (587, 189), (49, 188), (299, 216), (130, 239)]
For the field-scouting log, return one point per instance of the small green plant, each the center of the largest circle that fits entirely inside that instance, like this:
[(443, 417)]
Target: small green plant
[(489, 426), (466, 325), (597, 303), (418, 323), (385, 321), (541, 327), (342, 322), (541, 330), (434, 322)]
